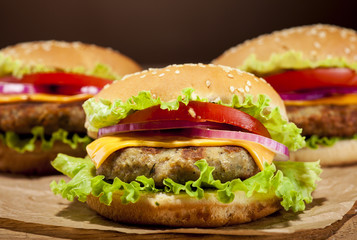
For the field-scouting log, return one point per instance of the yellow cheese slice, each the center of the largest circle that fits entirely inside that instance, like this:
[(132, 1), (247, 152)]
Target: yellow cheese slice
[(41, 97), (100, 149), (335, 100)]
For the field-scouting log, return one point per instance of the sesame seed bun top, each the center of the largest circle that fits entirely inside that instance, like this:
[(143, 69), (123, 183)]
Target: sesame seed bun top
[(209, 81), (316, 42), (65, 55)]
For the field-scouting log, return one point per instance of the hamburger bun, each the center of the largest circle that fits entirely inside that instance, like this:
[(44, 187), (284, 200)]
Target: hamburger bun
[(60, 56), (342, 152), (209, 81), (316, 42), (174, 178), (36, 162), (67, 55), (184, 211)]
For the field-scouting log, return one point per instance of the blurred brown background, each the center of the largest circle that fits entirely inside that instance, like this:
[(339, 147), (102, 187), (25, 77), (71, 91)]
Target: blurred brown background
[(160, 32)]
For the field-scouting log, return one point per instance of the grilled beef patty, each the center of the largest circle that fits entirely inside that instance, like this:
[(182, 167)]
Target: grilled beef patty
[(230, 162), (22, 117), (325, 120)]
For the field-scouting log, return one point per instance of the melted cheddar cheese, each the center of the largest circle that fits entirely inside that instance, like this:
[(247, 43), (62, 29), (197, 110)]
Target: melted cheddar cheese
[(41, 97), (100, 149), (335, 100)]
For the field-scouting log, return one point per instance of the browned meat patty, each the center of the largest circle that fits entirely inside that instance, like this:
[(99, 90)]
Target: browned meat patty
[(22, 117), (325, 120), (230, 162)]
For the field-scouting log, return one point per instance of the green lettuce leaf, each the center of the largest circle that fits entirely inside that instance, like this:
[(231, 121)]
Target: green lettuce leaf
[(14, 141), (16, 68), (315, 141), (104, 113), (292, 182), (290, 60)]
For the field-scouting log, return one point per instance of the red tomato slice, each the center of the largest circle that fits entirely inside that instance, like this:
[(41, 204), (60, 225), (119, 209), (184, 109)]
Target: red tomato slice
[(201, 112), (312, 78), (72, 79)]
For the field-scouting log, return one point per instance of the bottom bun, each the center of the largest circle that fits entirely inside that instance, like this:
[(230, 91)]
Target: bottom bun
[(341, 153), (37, 161), (184, 211)]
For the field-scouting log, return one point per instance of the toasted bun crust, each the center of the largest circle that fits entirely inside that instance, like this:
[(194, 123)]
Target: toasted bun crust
[(64, 55), (209, 81), (36, 162), (341, 153), (316, 42), (184, 211)]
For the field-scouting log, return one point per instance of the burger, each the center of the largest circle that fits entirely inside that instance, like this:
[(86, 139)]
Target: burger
[(42, 88), (313, 68), (190, 145)]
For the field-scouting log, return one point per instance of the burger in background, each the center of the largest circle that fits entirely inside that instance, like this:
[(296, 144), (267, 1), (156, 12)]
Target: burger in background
[(313, 68), (188, 146), (42, 88)]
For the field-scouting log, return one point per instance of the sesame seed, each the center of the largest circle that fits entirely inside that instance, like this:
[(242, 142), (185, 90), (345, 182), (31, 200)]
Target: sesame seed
[(329, 56), (355, 57), (46, 47), (192, 112), (177, 71), (347, 50), (154, 95), (317, 45), (226, 69), (313, 52), (313, 31), (240, 90), (246, 88), (167, 69), (76, 44), (277, 39), (322, 34), (142, 76), (238, 71), (162, 74), (263, 80), (231, 88), (230, 75), (249, 83), (353, 39), (343, 33), (153, 72), (208, 83)]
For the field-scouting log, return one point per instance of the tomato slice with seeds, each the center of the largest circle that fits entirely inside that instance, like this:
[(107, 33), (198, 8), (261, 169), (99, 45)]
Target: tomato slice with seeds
[(200, 112), (312, 78)]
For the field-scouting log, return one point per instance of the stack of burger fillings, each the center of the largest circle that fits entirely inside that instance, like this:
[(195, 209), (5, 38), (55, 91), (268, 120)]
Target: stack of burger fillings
[(160, 159), (42, 88), (314, 70)]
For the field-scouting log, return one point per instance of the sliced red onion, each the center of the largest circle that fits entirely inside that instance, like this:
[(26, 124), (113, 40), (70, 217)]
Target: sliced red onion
[(161, 125), (28, 88), (18, 88), (282, 152), (312, 94)]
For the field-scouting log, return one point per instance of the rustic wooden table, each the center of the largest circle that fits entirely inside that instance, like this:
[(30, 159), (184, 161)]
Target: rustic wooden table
[(11, 229)]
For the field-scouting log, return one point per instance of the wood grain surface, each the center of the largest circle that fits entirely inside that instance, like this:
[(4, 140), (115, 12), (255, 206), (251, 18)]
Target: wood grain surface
[(345, 229)]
